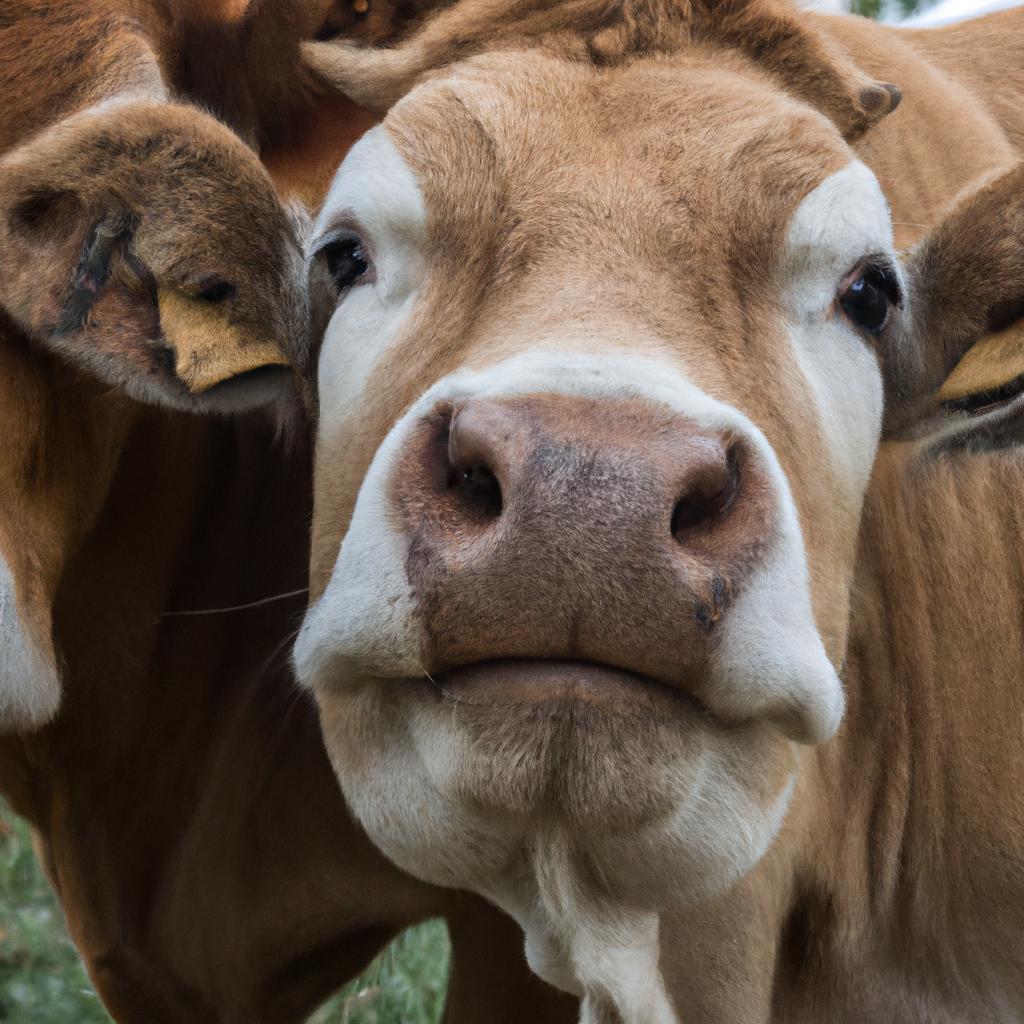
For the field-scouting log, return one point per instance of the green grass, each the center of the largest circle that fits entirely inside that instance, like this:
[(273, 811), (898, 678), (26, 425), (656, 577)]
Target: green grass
[(43, 982)]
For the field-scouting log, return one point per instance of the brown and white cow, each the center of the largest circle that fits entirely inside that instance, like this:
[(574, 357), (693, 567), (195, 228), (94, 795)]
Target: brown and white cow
[(622, 616), (153, 562)]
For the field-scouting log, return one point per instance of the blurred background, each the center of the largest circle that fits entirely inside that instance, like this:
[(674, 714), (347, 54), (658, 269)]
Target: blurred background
[(41, 979)]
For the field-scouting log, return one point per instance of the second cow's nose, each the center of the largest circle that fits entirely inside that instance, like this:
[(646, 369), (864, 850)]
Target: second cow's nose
[(551, 526)]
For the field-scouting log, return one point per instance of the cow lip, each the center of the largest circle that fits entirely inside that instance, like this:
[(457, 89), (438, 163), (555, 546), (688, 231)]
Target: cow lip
[(506, 682)]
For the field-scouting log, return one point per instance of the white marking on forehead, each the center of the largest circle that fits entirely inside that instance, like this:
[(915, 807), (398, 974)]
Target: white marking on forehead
[(842, 220), (375, 193), (836, 225), (375, 185), (29, 686)]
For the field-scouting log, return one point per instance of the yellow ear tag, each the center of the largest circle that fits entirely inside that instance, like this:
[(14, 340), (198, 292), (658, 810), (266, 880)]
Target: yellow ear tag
[(992, 362), (208, 350), (361, 6)]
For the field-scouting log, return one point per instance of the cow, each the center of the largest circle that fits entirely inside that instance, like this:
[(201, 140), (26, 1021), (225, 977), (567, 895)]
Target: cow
[(153, 561), (661, 591)]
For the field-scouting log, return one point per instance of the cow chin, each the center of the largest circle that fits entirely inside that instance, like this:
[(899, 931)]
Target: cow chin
[(526, 780)]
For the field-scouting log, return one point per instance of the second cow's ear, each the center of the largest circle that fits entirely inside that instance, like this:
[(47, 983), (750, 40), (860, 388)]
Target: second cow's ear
[(145, 244), (955, 368)]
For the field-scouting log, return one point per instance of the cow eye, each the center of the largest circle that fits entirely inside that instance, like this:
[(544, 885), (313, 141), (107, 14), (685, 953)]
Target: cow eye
[(216, 289), (869, 295), (346, 260)]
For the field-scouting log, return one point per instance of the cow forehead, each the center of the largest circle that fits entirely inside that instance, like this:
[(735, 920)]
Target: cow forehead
[(546, 144)]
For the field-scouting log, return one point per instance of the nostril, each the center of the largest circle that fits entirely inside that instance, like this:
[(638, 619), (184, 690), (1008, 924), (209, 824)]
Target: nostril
[(709, 494), (478, 488), (473, 453)]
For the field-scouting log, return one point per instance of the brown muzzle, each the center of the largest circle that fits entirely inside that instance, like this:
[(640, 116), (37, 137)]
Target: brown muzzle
[(612, 531)]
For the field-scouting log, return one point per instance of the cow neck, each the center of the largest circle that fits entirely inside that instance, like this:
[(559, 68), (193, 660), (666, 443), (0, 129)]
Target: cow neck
[(934, 715), (181, 744), (62, 435)]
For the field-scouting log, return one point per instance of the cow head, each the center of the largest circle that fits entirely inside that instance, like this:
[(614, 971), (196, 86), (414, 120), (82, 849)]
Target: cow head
[(600, 401), (130, 236), (146, 258)]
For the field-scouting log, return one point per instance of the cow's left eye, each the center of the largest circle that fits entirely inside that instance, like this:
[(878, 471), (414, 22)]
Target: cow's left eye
[(346, 261), (869, 295)]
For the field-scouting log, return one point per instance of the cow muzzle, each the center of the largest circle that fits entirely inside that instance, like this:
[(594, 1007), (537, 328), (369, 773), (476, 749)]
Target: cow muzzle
[(531, 534), (575, 529)]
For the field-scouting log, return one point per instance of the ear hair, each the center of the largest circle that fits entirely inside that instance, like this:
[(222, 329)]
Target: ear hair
[(808, 63), (772, 33), (967, 281)]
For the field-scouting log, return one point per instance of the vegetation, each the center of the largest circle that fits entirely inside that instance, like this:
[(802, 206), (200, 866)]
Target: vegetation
[(888, 8), (43, 982)]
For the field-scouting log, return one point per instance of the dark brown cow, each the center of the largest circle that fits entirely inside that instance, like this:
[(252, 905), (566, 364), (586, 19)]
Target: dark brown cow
[(154, 563), (622, 614)]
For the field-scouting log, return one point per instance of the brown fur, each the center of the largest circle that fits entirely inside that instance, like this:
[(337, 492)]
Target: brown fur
[(895, 889), (243, 63), (181, 801), (641, 597)]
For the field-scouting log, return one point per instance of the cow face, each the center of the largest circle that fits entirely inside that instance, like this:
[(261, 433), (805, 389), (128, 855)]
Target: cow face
[(143, 242), (146, 257), (599, 400)]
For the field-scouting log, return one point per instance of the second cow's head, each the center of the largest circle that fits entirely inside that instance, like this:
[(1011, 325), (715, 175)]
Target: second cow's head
[(600, 403)]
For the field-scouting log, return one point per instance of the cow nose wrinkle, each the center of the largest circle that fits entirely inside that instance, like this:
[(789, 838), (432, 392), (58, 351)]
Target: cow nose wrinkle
[(708, 491)]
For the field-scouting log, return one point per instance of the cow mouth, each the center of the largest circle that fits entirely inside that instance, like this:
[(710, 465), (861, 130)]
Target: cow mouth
[(512, 682), (249, 390)]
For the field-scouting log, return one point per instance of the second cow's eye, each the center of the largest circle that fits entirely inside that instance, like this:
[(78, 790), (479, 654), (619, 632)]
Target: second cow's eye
[(346, 261), (869, 295)]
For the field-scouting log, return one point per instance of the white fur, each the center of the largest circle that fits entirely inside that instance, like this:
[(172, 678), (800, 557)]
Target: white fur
[(842, 220), (375, 193), (365, 627), (29, 685)]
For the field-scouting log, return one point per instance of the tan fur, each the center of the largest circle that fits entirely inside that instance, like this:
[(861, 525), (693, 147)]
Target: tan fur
[(632, 169), (181, 801)]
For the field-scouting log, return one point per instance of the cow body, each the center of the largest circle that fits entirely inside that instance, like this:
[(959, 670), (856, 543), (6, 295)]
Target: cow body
[(494, 622), (180, 799)]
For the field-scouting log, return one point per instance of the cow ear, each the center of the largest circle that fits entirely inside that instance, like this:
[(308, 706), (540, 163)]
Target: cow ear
[(806, 61), (128, 239), (955, 369)]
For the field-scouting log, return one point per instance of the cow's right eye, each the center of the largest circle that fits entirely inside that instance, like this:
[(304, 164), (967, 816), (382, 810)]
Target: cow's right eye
[(346, 261), (869, 295)]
